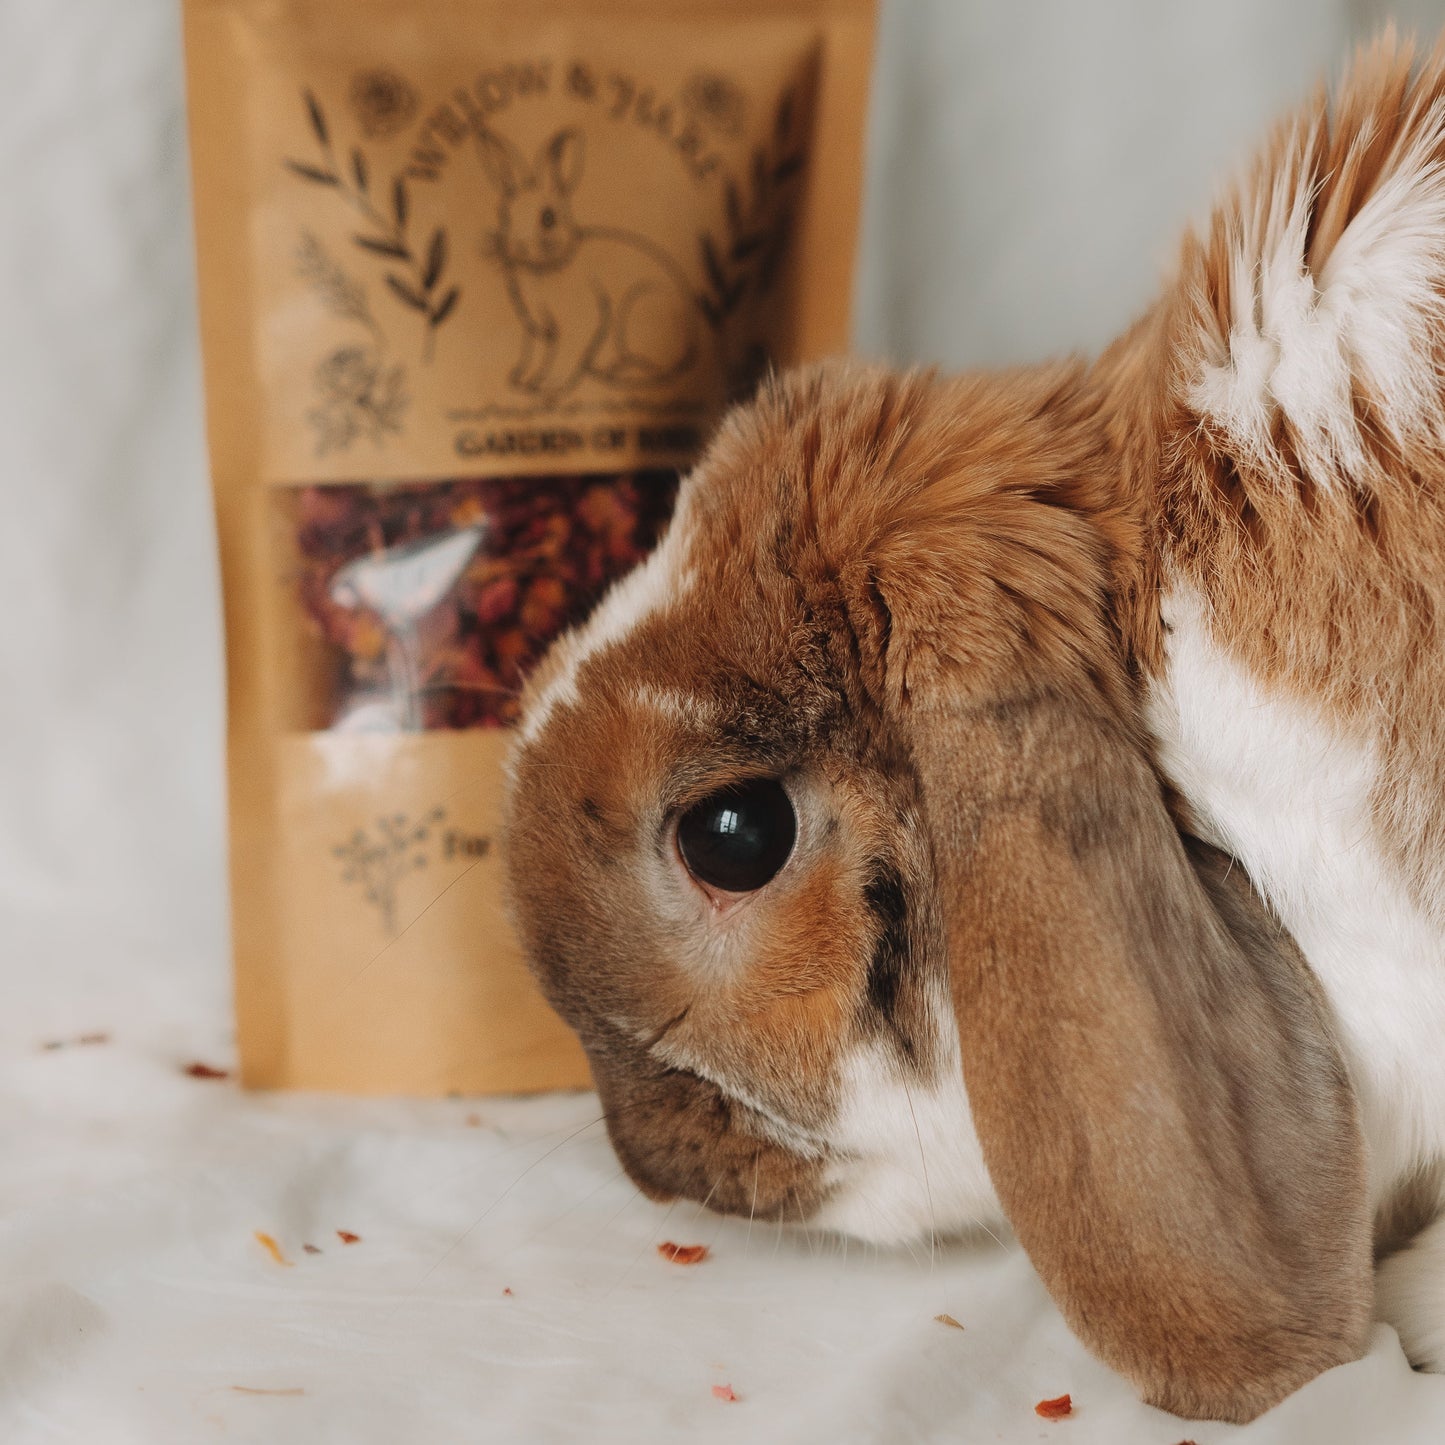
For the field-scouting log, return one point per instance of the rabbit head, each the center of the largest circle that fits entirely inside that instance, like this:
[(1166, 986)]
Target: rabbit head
[(535, 225), (834, 836)]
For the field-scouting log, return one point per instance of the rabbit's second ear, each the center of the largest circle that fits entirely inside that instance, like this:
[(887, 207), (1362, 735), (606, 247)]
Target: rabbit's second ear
[(562, 158), (503, 163), (1153, 1075)]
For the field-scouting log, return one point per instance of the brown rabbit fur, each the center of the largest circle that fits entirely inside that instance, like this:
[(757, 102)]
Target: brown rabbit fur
[(945, 615)]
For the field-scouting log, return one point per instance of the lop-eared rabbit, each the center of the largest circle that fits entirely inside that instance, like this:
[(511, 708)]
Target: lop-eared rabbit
[(1024, 794)]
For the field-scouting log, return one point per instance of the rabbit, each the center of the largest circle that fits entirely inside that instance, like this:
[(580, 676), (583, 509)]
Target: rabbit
[(593, 301), (1022, 795)]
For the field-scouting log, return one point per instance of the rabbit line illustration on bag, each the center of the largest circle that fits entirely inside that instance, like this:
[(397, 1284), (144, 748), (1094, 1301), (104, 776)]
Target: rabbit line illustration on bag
[(593, 301)]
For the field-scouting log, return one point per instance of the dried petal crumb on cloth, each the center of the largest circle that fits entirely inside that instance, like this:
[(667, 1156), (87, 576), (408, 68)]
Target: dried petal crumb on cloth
[(1055, 1409), (271, 1247), (725, 1392), (947, 1320), (683, 1253), (347, 1237), (311, 1248), (199, 1070)]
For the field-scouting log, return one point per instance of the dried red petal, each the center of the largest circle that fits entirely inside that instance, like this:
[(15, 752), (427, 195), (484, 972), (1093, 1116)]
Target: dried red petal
[(347, 1237), (1056, 1409), (683, 1253), (724, 1392), (206, 1071)]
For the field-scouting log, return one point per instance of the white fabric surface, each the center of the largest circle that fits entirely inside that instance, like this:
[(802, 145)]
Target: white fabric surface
[(1030, 166)]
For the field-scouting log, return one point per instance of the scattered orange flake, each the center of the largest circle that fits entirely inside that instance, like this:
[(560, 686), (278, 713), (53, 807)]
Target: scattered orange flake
[(1055, 1409), (271, 1247), (253, 1390), (948, 1320), (724, 1392), (311, 1248), (206, 1071), (347, 1237), (683, 1253)]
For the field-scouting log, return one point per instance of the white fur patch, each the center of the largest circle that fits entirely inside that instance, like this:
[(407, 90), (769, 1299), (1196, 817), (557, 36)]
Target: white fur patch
[(913, 1166), (1272, 782), (649, 587), (679, 707), (1373, 318)]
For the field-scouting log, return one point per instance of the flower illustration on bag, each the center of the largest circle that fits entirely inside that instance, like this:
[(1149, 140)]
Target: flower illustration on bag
[(378, 862), (358, 396), (382, 101)]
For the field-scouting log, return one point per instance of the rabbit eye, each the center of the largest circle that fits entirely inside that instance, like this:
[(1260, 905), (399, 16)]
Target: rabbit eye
[(548, 218), (738, 839)]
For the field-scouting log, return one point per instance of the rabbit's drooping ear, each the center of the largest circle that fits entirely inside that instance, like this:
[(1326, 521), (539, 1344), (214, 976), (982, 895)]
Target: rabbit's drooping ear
[(503, 162), (1153, 1075), (1152, 1072), (1162, 1106), (561, 158)]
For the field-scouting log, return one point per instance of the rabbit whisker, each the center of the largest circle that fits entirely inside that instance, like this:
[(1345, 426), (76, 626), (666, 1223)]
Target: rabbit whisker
[(642, 1249), (927, 1187), (753, 1208), (457, 1242)]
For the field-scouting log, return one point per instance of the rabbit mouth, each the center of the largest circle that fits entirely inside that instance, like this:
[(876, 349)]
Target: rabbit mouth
[(679, 1136), (547, 254)]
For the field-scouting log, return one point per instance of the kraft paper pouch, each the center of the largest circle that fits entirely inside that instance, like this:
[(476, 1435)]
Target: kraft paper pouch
[(476, 280)]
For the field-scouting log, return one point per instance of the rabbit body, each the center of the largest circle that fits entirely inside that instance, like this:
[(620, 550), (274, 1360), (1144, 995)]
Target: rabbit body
[(1109, 704)]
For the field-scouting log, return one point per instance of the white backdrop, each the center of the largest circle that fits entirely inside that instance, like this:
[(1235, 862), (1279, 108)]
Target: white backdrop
[(1030, 166)]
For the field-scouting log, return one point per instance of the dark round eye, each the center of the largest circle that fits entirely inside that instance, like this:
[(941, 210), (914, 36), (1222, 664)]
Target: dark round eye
[(548, 218), (738, 839)]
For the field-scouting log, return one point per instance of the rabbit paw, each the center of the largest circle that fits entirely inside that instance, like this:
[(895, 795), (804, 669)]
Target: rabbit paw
[(1410, 1295)]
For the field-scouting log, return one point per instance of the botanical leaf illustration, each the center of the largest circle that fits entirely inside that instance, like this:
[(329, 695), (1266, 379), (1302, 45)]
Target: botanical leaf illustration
[(745, 261), (318, 120), (383, 247), (444, 307), (387, 235), (312, 173), (436, 258), (407, 292)]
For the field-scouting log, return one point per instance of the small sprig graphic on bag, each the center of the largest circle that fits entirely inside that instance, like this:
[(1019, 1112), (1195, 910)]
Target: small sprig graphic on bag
[(744, 261), (358, 393), (415, 278), (379, 863)]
